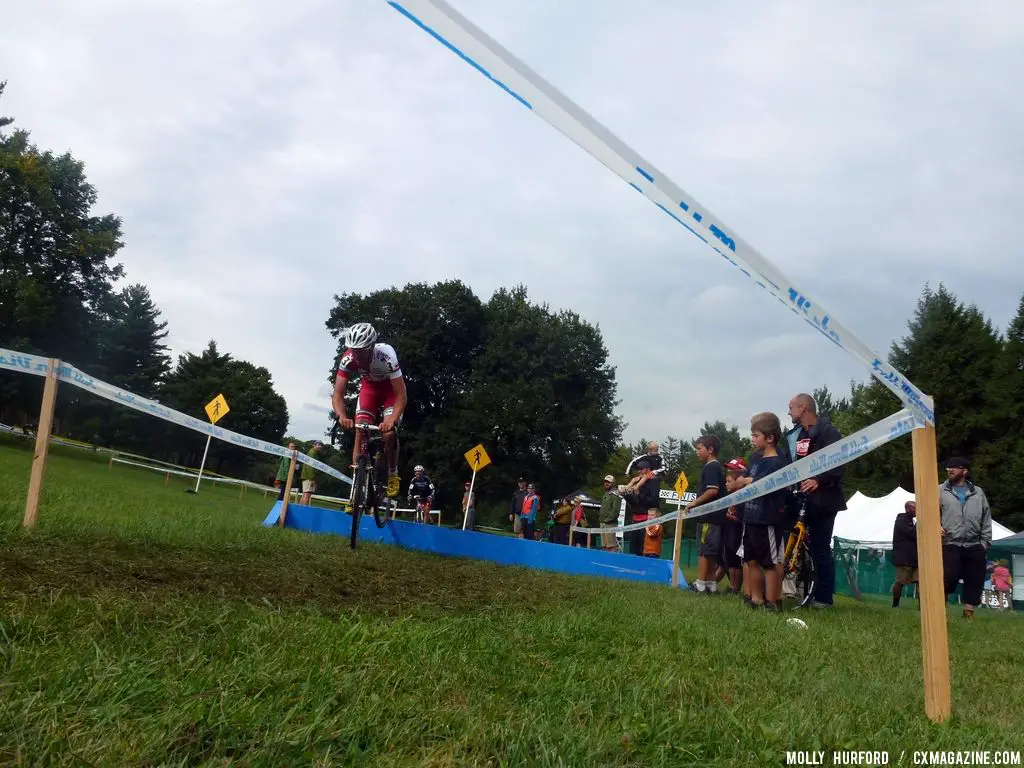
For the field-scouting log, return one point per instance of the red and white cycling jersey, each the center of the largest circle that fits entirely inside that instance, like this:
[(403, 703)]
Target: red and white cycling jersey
[(383, 365)]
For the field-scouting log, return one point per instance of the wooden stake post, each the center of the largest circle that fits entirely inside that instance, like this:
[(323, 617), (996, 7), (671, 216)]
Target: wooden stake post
[(287, 491), (35, 482), (677, 546), (934, 638)]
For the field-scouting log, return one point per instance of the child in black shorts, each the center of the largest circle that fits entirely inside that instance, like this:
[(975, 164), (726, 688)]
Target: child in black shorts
[(763, 545), (712, 486)]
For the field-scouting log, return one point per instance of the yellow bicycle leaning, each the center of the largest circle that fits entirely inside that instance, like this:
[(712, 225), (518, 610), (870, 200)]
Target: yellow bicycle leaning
[(799, 572)]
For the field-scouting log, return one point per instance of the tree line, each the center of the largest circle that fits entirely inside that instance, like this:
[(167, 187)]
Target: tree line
[(534, 385)]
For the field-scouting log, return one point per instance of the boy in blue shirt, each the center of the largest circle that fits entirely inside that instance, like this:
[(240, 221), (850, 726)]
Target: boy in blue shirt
[(763, 543)]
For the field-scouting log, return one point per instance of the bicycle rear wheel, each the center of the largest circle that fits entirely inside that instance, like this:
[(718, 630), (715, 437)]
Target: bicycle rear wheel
[(381, 504), (358, 497)]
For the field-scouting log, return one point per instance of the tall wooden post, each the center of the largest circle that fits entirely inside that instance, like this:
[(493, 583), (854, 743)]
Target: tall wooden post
[(35, 482), (934, 639), (287, 491)]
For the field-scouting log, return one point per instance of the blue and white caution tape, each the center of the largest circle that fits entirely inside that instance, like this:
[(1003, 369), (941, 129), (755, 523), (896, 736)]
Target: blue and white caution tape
[(829, 457), (37, 365), (484, 54)]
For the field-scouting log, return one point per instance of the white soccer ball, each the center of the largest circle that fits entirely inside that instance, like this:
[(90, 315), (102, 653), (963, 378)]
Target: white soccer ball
[(795, 622)]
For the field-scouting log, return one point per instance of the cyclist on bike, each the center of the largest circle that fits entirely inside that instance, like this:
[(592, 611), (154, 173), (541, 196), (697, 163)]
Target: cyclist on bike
[(421, 489), (381, 393)]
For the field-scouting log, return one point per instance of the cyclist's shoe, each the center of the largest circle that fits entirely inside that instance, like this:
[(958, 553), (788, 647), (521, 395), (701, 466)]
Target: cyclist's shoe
[(394, 485)]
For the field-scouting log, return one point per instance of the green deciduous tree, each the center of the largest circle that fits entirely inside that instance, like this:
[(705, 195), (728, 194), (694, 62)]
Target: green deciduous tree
[(533, 385), (56, 259), (257, 410)]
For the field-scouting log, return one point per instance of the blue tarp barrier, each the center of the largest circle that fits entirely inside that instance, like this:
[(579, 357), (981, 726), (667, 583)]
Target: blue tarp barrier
[(503, 550)]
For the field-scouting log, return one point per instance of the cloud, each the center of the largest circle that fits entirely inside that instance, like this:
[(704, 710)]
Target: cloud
[(265, 157)]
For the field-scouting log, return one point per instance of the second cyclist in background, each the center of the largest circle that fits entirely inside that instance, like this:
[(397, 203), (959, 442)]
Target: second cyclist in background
[(421, 490)]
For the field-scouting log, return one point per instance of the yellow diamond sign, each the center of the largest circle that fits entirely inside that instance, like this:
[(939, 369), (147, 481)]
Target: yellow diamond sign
[(681, 484), (216, 408), (477, 458)]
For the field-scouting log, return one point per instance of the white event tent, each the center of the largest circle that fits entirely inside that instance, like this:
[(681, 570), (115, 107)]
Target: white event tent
[(868, 521)]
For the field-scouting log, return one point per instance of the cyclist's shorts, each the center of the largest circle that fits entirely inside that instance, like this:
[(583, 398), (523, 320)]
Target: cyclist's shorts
[(376, 399)]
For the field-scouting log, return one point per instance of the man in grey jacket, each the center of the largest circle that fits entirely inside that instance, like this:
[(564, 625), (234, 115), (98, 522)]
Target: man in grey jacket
[(966, 533)]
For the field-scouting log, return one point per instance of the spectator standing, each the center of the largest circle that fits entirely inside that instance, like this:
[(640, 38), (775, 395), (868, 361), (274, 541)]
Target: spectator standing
[(966, 533), (309, 475), (825, 499), (469, 507), (763, 545), (642, 496), (732, 529), (563, 518), (611, 502), (579, 519), (531, 506), (712, 486), (516, 515), (282, 472), (904, 551), (654, 535), (1002, 582)]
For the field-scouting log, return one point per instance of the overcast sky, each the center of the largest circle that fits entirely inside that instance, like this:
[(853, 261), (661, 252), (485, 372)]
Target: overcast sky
[(266, 155)]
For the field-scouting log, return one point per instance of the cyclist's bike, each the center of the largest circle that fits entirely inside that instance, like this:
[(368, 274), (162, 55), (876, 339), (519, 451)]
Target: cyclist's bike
[(798, 570), (422, 513), (370, 482)]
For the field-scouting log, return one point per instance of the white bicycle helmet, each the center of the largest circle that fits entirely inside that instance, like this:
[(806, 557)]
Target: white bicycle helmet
[(418, 468), (360, 336)]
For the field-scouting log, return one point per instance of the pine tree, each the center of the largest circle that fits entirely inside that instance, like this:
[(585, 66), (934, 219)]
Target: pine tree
[(133, 353), (999, 467), (951, 352)]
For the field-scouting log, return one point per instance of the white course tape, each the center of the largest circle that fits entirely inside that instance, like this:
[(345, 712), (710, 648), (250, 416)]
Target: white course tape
[(34, 364), (489, 58), (829, 457)]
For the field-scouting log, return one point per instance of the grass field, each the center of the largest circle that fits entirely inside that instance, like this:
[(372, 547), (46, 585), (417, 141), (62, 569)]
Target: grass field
[(142, 625)]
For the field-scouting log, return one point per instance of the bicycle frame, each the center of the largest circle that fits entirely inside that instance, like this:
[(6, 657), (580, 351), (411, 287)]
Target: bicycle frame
[(422, 511)]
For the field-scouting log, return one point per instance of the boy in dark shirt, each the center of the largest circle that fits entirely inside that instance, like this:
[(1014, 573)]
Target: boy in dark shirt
[(763, 545), (712, 486)]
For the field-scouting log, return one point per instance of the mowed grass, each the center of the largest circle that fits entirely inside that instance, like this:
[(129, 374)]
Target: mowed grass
[(142, 625)]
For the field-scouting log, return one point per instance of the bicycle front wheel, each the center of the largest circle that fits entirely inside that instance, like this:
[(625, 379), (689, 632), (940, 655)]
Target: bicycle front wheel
[(802, 577), (358, 497)]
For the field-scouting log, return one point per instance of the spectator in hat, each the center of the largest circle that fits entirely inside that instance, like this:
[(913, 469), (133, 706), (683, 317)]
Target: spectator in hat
[(904, 551), (1002, 582), (531, 506), (732, 528), (966, 533), (610, 504)]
